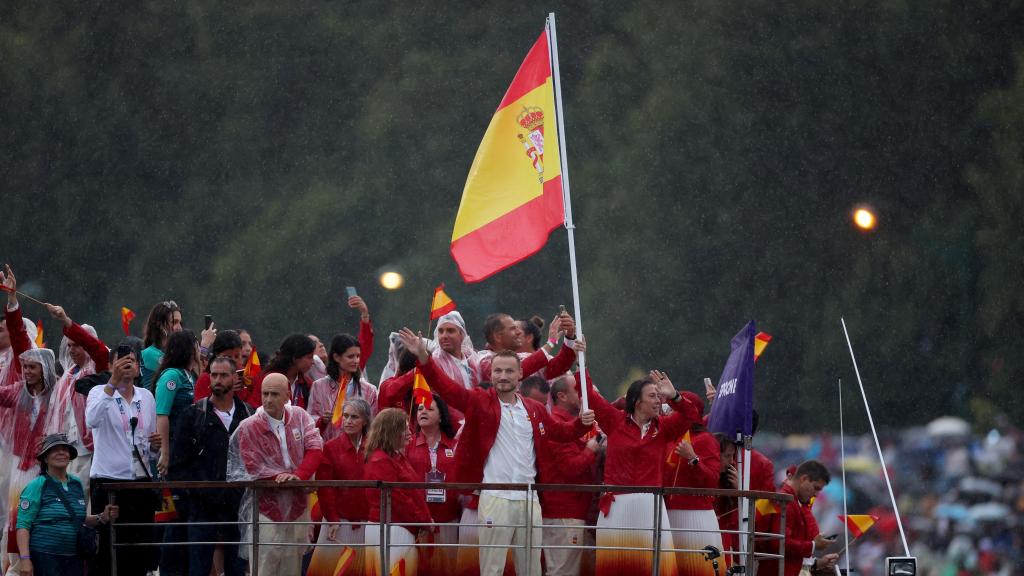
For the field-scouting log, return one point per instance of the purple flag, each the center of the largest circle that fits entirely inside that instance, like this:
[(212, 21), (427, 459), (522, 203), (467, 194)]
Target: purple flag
[(733, 408)]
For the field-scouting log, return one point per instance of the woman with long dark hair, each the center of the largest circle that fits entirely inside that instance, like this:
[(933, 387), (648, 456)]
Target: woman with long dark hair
[(638, 438), (432, 455), (293, 358), (164, 319), (344, 380)]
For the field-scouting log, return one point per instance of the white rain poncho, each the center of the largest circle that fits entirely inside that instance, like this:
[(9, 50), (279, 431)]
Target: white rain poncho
[(254, 453), (466, 371)]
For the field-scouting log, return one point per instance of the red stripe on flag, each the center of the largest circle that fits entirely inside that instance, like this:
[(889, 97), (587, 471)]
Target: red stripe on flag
[(476, 254), (533, 72)]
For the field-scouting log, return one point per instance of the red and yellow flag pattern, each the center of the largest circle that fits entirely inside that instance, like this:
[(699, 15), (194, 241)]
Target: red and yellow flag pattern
[(765, 507), (421, 390), (339, 401), (673, 458), (761, 341), (513, 195), (39, 334), (126, 320), (347, 555), (252, 369), (858, 523), (167, 511), (441, 304)]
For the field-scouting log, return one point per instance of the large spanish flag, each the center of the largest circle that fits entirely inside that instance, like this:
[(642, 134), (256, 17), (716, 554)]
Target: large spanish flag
[(513, 195)]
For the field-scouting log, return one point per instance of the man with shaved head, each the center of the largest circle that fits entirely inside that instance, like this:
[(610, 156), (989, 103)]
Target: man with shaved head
[(280, 442)]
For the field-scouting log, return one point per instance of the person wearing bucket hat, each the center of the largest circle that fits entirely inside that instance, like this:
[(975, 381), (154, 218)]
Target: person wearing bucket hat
[(50, 510)]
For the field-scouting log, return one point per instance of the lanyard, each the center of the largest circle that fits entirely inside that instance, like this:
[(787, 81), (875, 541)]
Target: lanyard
[(126, 417), (433, 454)]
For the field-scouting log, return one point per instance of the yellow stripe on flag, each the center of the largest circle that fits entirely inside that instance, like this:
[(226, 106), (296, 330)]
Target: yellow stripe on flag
[(760, 343), (513, 194), (858, 523), (765, 507), (39, 334), (344, 560), (339, 400), (503, 177)]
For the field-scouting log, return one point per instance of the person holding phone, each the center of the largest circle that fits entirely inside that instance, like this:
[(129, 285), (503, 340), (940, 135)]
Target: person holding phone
[(346, 362), (803, 539), (122, 418)]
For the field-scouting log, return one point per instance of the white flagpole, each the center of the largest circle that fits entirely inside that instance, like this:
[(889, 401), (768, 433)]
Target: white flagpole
[(881, 458), (745, 520), (569, 226), (842, 453)]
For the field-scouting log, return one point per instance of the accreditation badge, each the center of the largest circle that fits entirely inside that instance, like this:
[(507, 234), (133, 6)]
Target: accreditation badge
[(435, 495)]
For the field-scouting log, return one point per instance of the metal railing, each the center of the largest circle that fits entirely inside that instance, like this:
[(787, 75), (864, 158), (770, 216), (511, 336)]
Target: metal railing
[(751, 555)]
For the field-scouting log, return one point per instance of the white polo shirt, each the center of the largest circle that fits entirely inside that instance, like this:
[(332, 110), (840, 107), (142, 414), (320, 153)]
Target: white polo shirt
[(109, 417)]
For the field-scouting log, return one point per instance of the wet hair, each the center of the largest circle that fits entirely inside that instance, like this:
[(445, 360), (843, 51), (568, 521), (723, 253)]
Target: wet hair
[(223, 360), (532, 328), (340, 344), (133, 342), (386, 431), (532, 382), (492, 324), (814, 470), (406, 361), (293, 347), (181, 350), (363, 407), (507, 354), (158, 322), (560, 385), (225, 340), (445, 424), (633, 393)]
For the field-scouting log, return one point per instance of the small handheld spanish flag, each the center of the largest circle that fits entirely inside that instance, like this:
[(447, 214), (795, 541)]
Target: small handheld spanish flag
[(858, 523), (167, 511), (39, 334), (441, 304), (251, 370), (765, 507), (673, 458), (339, 401), (761, 341), (421, 390), (126, 319)]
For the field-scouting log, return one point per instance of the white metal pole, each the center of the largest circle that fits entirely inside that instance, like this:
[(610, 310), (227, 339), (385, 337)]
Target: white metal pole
[(842, 454), (874, 433), (745, 521), (566, 200)]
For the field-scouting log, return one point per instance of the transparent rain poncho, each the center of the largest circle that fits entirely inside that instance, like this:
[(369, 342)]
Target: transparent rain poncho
[(71, 418), (27, 418), (452, 367), (254, 453)]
